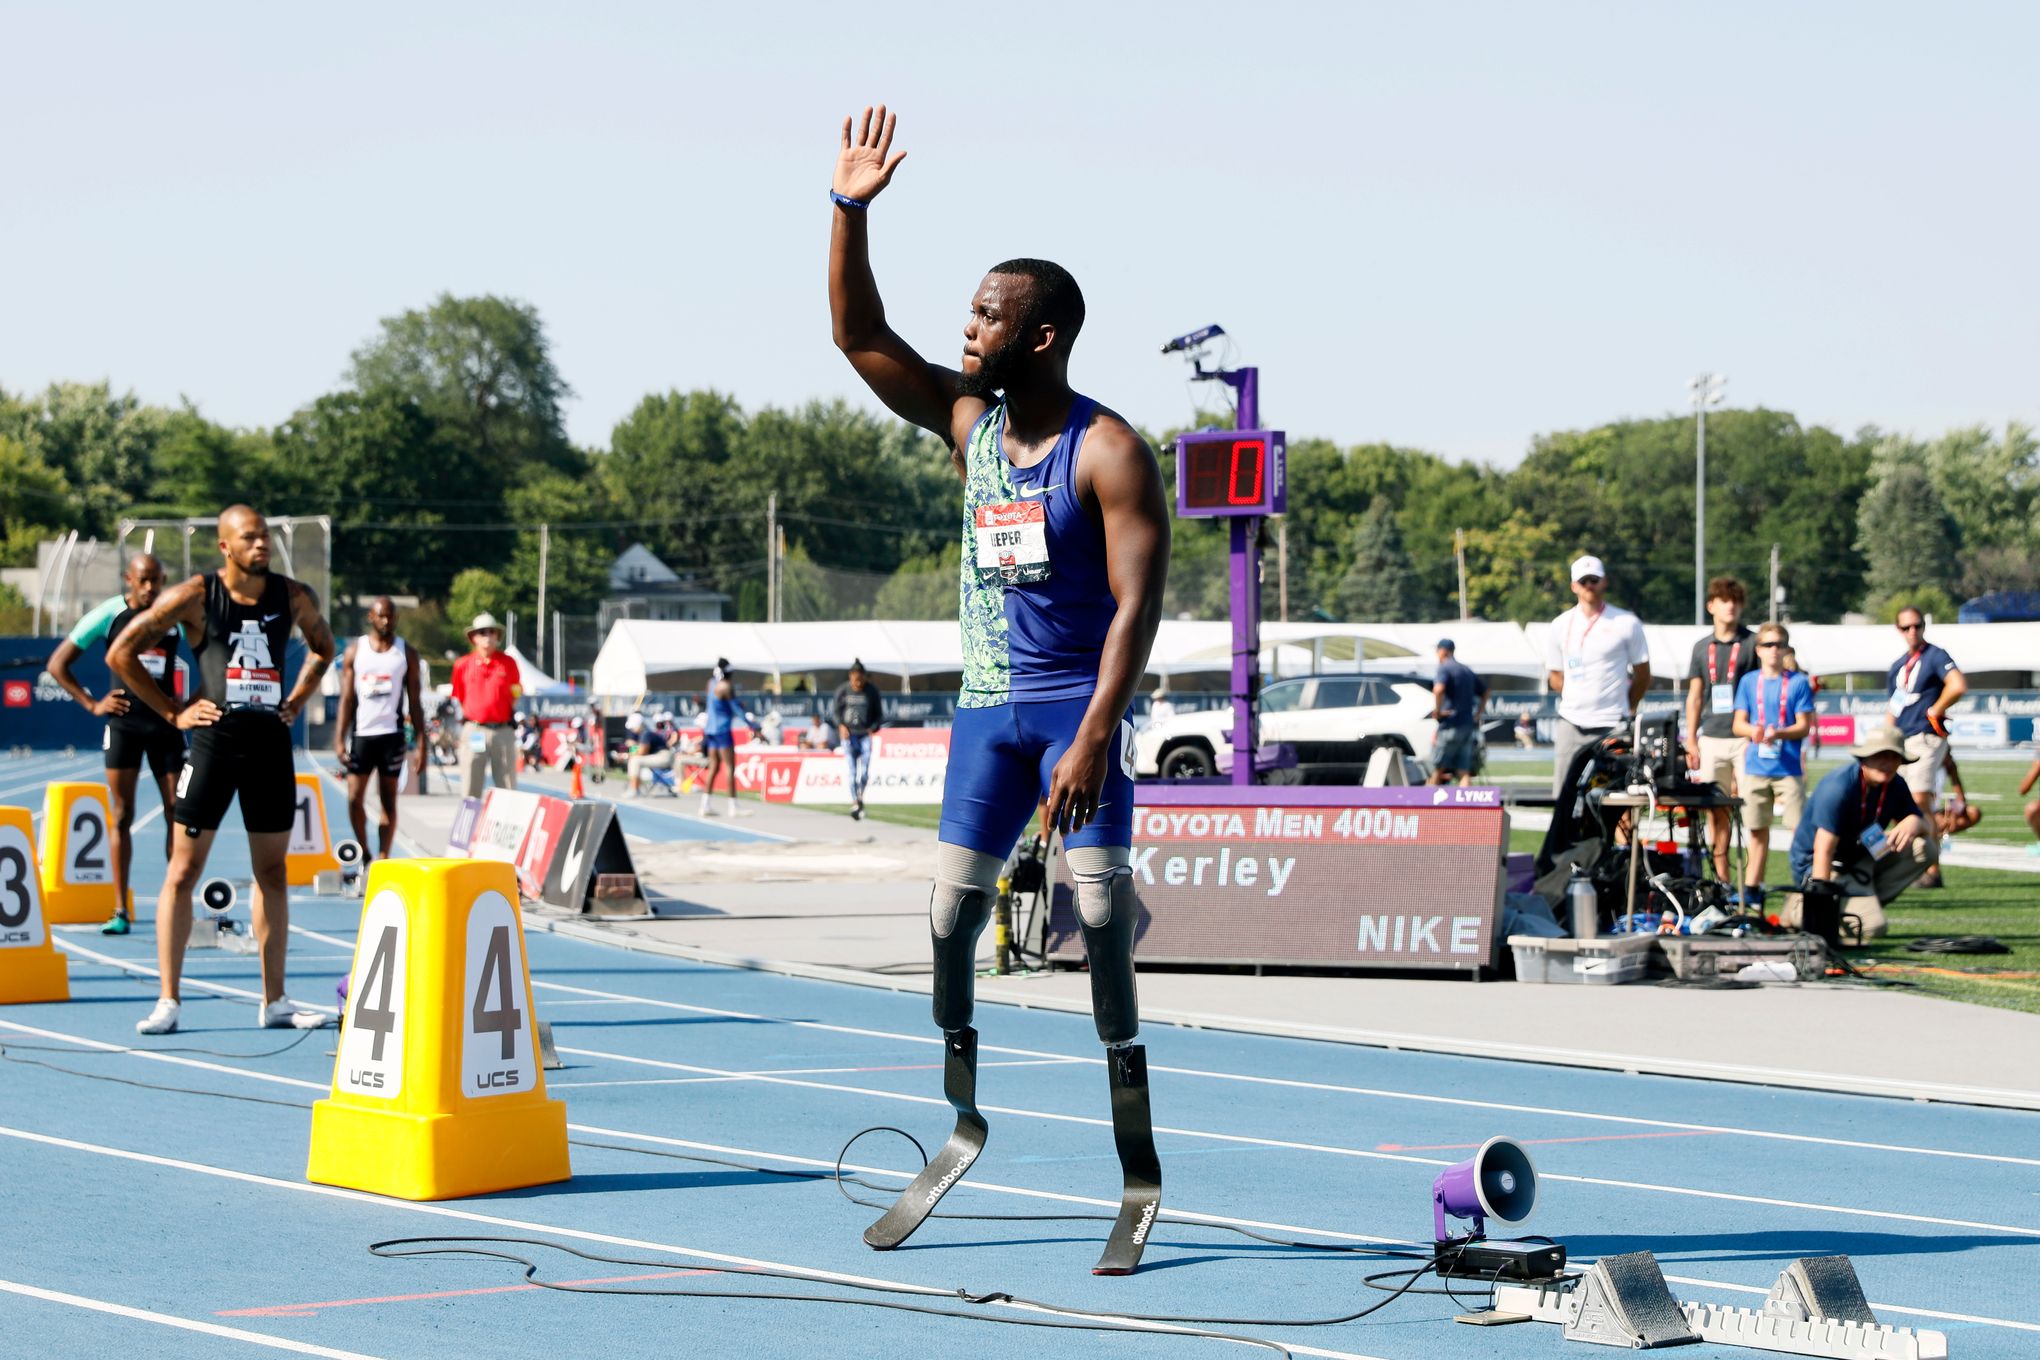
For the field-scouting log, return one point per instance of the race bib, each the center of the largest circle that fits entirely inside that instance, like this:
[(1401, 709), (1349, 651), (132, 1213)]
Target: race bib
[(1723, 699), (1875, 841), (1012, 543), (1901, 700), (254, 685), (378, 686), (156, 664)]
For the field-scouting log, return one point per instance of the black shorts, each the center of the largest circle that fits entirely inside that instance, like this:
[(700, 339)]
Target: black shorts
[(383, 755), (246, 755), (127, 747)]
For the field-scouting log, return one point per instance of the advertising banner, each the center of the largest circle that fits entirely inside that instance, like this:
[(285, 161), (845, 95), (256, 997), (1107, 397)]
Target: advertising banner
[(1336, 878), (907, 766)]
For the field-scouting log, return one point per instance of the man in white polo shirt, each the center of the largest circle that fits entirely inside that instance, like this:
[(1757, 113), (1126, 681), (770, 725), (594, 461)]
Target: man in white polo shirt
[(1599, 666)]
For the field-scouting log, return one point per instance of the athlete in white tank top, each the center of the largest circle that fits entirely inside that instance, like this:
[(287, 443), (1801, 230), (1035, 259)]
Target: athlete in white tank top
[(378, 687)]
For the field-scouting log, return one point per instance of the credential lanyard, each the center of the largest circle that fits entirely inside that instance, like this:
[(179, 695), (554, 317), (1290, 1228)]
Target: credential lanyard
[(1863, 817)]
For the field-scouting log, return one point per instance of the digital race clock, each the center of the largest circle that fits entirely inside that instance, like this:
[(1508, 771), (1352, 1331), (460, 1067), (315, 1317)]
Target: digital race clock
[(1230, 472)]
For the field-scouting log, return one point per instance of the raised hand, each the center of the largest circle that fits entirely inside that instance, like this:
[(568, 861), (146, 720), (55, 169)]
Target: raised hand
[(867, 161)]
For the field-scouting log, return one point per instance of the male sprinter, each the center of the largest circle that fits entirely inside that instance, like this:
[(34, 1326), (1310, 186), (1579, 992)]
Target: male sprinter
[(1065, 553), (237, 620), (133, 731), (378, 682)]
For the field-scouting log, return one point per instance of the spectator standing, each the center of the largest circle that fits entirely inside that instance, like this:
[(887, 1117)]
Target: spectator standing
[(1161, 707), (858, 711), (1458, 698), (1790, 658), (486, 685), (1598, 664), (1772, 713), (1714, 751), (1924, 685)]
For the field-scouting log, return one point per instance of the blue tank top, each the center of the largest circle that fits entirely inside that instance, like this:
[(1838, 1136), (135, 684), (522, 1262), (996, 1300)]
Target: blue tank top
[(1036, 601)]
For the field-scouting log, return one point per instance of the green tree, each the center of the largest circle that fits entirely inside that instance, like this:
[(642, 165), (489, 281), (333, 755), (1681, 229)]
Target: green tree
[(923, 587), (476, 590), (1903, 530), (34, 500), (202, 467), (578, 555), (392, 481), (103, 444), (1379, 586), (482, 368), (1515, 570)]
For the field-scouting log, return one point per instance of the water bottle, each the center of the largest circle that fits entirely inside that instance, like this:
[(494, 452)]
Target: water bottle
[(1584, 905)]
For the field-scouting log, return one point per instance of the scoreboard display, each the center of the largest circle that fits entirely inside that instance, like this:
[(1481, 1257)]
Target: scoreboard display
[(1404, 878), (1231, 472)]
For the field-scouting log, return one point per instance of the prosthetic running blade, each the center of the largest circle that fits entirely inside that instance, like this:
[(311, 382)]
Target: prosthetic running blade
[(946, 1168), (1133, 1133)]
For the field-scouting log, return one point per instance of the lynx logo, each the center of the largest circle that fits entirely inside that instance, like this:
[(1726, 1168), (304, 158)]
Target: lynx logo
[(1440, 796), (941, 1187), (1147, 1220), (251, 647)]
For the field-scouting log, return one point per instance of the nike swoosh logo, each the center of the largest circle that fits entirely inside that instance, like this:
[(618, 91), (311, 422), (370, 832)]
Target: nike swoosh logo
[(268, 619), (1036, 490), (570, 863)]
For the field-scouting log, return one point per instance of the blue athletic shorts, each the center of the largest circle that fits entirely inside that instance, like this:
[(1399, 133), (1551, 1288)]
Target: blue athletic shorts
[(1000, 763), (718, 741)]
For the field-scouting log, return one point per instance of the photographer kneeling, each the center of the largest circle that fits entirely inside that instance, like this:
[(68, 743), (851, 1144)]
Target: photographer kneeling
[(1860, 836)]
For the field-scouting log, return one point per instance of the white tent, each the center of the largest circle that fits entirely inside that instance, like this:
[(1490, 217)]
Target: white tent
[(535, 681)]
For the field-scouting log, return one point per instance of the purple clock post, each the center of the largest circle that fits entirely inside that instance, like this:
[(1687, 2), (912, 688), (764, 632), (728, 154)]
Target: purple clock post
[(1241, 475)]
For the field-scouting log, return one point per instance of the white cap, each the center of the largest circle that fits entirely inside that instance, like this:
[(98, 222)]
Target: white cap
[(1588, 566), (634, 723)]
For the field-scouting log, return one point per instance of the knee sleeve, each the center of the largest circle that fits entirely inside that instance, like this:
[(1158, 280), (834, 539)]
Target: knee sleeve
[(1108, 911), (966, 882)]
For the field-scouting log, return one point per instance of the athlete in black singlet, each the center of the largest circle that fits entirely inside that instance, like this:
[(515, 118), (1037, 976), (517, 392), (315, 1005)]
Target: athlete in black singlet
[(134, 732), (237, 620)]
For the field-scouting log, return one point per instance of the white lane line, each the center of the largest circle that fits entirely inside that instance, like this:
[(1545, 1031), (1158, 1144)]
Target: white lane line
[(275, 1343), (1292, 1084), (988, 1186), (1329, 1149), (812, 1273), (151, 815), (52, 774)]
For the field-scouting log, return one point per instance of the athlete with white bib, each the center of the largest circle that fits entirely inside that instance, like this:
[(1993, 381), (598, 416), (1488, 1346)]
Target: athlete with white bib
[(378, 684), (134, 732), (1065, 555), (237, 621)]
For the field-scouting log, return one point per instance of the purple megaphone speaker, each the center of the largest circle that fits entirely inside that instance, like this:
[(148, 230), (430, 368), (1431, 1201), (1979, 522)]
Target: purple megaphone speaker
[(1497, 1182)]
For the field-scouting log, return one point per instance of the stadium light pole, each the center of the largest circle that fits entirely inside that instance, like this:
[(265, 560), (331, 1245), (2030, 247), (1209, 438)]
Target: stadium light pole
[(1707, 391)]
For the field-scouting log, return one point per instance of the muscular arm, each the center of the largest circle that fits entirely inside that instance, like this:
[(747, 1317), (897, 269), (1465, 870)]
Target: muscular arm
[(924, 394), (304, 612), (345, 723), (1824, 844), (1693, 720), (180, 605), (1126, 485), (1955, 685), (415, 698)]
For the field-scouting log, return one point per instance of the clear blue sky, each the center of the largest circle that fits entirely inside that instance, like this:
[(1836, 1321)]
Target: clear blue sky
[(1450, 226)]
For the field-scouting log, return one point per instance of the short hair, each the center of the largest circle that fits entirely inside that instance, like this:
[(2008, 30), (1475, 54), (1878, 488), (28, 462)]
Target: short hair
[(1727, 588), (1054, 298), (1906, 609), (1775, 630)]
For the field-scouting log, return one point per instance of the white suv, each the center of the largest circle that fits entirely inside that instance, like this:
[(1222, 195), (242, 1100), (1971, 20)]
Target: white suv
[(1334, 722)]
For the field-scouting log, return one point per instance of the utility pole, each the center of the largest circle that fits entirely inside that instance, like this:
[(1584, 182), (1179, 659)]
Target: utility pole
[(1706, 390), (544, 551), (1459, 554), (1777, 594), (772, 557), (1282, 568)]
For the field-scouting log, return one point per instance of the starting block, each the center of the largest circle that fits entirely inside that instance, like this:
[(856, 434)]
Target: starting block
[(438, 1090), (311, 848), (77, 855), (30, 969), (1816, 1308)]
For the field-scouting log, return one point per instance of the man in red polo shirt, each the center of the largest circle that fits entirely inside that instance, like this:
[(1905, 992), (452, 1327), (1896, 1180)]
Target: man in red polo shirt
[(486, 684)]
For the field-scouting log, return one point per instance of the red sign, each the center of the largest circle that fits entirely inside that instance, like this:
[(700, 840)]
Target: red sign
[(18, 694), (541, 840)]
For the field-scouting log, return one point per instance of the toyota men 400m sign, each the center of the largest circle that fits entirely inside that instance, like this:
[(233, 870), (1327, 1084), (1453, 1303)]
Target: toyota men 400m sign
[(1310, 877)]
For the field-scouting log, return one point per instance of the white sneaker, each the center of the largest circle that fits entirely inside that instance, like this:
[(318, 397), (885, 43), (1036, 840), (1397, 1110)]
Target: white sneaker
[(706, 810), (284, 1013), (162, 1020), (736, 811)]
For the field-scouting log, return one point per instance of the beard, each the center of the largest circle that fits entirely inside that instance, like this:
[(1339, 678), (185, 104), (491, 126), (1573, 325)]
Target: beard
[(995, 372)]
